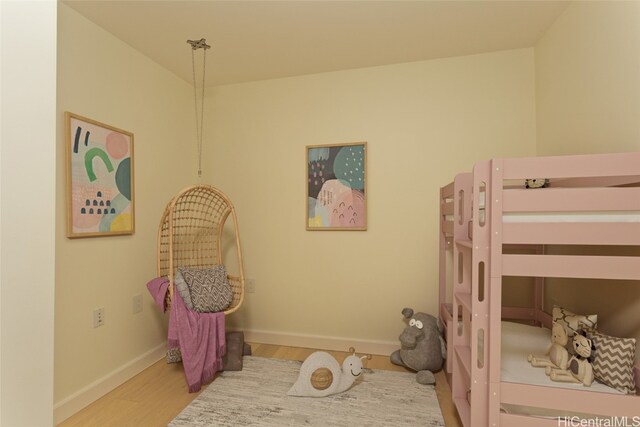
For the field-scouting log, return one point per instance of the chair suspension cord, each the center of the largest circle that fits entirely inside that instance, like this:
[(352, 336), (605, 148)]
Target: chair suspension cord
[(199, 44)]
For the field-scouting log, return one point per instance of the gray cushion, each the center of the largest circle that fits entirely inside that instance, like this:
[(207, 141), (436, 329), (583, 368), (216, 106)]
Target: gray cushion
[(209, 288), (181, 286)]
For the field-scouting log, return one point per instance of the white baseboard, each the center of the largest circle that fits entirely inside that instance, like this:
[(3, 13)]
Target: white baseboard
[(384, 348), (89, 394)]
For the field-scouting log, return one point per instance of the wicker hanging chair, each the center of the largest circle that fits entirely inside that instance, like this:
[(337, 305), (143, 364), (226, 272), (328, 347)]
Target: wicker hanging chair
[(190, 235)]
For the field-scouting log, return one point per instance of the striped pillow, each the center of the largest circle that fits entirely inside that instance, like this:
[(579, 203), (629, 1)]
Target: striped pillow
[(613, 362)]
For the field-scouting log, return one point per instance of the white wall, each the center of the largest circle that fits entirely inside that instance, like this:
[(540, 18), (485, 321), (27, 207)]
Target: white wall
[(588, 101), (424, 122), (102, 78), (27, 179)]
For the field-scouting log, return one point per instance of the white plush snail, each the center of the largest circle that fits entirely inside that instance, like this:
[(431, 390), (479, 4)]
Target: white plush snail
[(321, 375)]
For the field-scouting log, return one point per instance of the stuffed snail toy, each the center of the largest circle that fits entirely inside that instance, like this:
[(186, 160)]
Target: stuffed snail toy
[(321, 375)]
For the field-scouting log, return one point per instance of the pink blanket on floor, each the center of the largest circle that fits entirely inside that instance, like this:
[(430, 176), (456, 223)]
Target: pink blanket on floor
[(200, 336)]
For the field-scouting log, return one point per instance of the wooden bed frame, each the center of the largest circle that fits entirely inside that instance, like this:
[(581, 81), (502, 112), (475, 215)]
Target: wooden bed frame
[(480, 242)]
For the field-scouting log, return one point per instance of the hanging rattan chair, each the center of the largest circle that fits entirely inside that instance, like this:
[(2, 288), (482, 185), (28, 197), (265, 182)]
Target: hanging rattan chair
[(190, 235)]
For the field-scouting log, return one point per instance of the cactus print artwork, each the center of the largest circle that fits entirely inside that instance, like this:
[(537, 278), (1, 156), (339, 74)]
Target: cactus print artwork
[(336, 187)]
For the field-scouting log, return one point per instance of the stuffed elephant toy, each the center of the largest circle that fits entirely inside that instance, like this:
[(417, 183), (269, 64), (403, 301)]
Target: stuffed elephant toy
[(422, 347)]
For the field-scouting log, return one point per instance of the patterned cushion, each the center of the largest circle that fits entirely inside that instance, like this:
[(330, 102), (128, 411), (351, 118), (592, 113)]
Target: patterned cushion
[(613, 362), (573, 323), (181, 286), (209, 288), (174, 355)]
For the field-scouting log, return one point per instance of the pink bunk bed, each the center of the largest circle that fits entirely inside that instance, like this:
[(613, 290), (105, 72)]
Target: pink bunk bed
[(492, 227)]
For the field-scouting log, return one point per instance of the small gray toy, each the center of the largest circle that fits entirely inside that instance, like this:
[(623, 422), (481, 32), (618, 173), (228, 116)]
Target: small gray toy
[(422, 347)]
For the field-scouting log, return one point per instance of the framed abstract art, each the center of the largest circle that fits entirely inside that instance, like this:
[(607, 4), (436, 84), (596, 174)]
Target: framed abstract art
[(100, 190), (337, 187)]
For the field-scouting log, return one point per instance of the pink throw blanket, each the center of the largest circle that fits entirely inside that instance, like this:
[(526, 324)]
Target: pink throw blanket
[(200, 336)]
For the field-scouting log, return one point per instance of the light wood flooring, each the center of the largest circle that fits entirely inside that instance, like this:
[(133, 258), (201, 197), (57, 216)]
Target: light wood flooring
[(159, 393)]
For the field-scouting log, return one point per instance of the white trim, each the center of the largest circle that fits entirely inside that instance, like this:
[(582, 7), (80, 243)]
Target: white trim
[(92, 392), (384, 348)]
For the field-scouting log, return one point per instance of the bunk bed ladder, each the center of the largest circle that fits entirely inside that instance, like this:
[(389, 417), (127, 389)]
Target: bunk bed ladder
[(462, 300), (446, 240)]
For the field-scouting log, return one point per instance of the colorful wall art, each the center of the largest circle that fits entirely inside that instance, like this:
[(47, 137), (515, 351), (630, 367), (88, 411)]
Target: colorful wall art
[(336, 187), (100, 196)]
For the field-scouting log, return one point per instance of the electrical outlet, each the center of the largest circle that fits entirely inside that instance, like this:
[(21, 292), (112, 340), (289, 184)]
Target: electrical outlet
[(137, 304), (98, 317), (251, 285)]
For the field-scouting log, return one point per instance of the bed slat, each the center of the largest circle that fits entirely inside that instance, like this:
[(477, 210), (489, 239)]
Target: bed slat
[(447, 227), (446, 192), (580, 267), (508, 420), (572, 199), (594, 165), (447, 208), (569, 400), (556, 233)]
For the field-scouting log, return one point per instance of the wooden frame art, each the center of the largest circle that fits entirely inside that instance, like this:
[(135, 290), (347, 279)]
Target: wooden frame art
[(337, 186), (100, 178)]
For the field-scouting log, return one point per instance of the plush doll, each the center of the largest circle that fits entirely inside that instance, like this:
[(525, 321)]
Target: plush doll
[(422, 347), (580, 368), (557, 356), (536, 183)]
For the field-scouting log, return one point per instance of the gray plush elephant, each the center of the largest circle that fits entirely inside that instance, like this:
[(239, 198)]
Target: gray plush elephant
[(422, 347)]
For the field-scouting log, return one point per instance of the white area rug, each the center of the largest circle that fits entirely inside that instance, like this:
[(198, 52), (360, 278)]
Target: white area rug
[(257, 396)]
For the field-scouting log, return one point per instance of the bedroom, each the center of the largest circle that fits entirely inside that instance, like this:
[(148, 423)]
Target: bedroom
[(574, 90)]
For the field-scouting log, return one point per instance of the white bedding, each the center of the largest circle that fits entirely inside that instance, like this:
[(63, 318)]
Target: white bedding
[(628, 216), (518, 341)]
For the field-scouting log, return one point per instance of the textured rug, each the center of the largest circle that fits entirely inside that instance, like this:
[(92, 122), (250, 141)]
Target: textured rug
[(257, 396)]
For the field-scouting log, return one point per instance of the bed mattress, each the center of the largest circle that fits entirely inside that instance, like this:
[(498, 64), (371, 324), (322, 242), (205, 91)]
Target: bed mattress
[(518, 341)]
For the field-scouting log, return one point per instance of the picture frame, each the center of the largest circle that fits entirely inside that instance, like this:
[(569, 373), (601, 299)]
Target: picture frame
[(100, 178), (337, 187)]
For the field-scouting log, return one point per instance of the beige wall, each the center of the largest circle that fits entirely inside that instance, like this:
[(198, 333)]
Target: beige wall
[(588, 80), (588, 101), (102, 78), (424, 122), (27, 242)]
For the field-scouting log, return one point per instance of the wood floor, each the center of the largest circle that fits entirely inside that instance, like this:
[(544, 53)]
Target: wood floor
[(156, 395)]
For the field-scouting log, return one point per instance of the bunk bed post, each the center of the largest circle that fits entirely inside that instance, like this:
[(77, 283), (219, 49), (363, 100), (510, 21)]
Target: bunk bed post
[(538, 300), (494, 211), (481, 292)]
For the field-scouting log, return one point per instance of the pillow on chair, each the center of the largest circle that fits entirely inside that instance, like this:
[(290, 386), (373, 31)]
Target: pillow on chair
[(183, 289), (573, 323), (209, 288)]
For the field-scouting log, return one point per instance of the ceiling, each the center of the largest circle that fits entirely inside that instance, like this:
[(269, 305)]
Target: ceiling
[(258, 40)]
